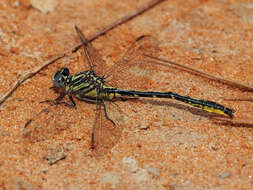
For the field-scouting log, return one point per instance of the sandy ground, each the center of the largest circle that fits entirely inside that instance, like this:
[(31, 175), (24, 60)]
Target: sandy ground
[(162, 144)]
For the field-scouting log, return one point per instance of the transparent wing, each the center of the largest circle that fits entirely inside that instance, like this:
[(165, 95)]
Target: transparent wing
[(92, 56), (48, 123), (132, 70), (167, 63), (106, 134)]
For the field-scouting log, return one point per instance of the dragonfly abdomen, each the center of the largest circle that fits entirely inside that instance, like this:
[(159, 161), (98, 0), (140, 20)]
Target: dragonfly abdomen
[(202, 104)]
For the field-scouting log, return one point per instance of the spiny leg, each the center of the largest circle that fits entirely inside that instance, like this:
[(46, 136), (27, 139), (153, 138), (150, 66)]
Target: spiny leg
[(58, 99), (72, 101), (106, 115)]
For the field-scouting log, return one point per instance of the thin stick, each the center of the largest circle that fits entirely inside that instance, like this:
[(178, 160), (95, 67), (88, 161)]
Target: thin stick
[(204, 75), (122, 20)]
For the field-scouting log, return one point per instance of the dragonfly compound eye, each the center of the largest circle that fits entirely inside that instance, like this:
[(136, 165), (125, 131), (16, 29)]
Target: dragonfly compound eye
[(64, 71)]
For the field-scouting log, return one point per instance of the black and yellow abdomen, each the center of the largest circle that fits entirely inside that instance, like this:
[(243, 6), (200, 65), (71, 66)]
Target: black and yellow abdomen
[(202, 104)]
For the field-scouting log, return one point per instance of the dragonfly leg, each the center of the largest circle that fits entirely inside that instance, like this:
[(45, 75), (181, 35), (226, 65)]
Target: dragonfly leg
[(58, 99), (73, 104), (106, 115)]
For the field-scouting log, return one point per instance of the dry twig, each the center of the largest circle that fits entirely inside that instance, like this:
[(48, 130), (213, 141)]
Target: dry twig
[(124, 19)]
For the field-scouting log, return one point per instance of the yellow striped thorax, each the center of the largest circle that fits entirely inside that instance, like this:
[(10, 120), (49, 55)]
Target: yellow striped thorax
[(84, 85)]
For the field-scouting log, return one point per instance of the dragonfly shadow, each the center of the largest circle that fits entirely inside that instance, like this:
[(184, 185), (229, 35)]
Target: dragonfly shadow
[(236, 122)]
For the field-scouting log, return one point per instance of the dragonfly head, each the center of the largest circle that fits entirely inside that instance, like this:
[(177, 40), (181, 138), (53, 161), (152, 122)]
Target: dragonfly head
[(60, 77)]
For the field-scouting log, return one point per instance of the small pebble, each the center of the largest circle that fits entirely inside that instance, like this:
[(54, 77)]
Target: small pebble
[(225, 175), (15, 4), (131, 163), (56, 156)]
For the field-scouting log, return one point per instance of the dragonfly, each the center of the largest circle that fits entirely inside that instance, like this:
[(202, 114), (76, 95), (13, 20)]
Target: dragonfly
[(104, 87)]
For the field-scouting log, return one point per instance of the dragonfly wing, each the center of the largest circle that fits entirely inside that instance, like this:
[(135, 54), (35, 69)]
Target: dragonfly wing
[(106, 134), (123, 73), (47, 123), (92, 56)]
